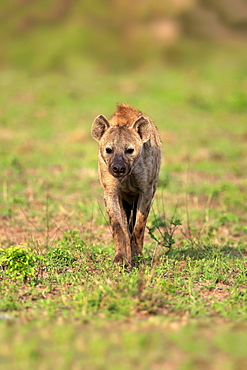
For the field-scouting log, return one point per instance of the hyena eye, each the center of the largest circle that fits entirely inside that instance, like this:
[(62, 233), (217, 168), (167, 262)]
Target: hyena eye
[(109, 150), (130, 150)]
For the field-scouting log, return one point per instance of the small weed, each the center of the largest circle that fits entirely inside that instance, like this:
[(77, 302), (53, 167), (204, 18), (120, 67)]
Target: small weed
[(164, 237), (19, 262)]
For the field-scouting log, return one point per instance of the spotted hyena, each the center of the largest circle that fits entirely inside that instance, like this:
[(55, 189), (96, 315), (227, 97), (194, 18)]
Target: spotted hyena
[(129, 162)]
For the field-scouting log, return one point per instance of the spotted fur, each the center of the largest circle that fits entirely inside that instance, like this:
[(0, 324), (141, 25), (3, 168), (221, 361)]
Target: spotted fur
[(129, 162)]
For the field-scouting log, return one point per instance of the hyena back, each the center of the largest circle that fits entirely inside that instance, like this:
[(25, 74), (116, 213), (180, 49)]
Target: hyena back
[(129, 162)]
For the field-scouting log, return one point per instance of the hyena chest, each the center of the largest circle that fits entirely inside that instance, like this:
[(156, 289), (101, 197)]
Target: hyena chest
[(129, 189)]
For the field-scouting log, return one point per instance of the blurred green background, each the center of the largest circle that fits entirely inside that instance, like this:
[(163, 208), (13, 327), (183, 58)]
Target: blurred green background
[(116, 34), (184, 64)]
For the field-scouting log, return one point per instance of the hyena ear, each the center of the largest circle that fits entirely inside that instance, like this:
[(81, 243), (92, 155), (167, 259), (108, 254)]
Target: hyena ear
[(100, 125), (142, 127)]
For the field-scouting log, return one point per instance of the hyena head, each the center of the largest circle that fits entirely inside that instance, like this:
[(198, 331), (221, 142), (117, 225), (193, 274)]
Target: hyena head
[(120, 146)]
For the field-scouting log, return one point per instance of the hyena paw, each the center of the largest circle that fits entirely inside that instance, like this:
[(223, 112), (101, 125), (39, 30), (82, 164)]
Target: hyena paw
[(119, 258)]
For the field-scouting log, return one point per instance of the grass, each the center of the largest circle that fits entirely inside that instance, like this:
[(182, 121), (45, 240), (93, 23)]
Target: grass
[(62, 302)]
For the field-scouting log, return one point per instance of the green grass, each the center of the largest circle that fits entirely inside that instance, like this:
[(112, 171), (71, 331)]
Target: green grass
[(62, 302)]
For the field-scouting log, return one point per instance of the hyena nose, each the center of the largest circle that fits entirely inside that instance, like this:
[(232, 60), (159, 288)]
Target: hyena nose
[(118, 168)]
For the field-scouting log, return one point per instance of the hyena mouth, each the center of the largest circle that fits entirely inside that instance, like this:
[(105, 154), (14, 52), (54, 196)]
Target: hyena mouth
[(119, 170), (119, 174)]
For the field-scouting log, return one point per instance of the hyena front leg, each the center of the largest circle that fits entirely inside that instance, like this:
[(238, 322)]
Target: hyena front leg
[(125, 224), (118, 222), (137, 237)]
